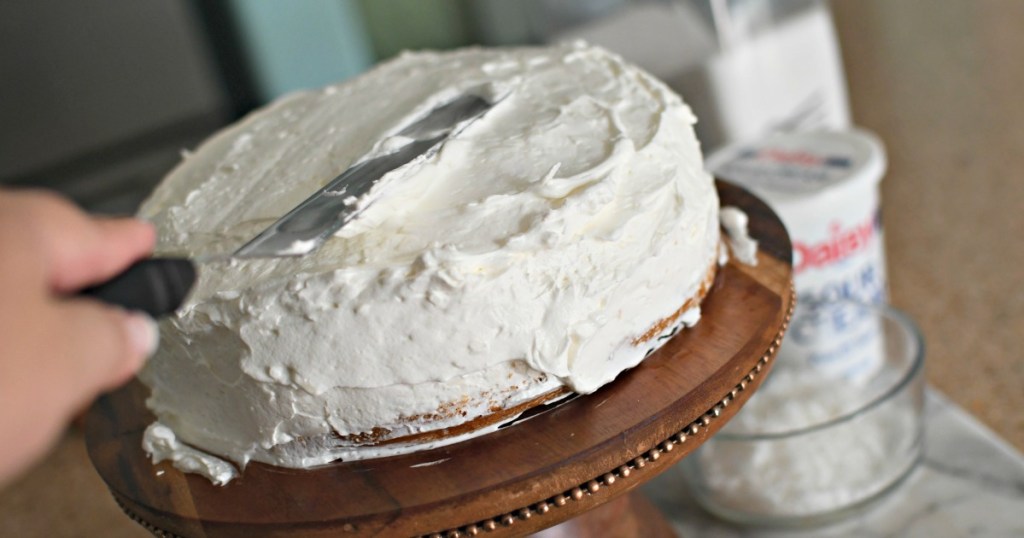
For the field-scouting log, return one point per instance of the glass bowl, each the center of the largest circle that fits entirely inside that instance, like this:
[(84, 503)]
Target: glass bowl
[(837, 424)]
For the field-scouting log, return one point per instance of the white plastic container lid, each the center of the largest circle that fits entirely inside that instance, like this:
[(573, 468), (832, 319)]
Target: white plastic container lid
[(787, 167)]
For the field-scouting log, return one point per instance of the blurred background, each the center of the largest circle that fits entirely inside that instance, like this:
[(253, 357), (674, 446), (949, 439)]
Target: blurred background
[(98, 100)]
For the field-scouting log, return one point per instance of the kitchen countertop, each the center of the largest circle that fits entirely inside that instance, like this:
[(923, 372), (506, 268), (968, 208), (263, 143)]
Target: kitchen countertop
[(939, 83), (969, 483)]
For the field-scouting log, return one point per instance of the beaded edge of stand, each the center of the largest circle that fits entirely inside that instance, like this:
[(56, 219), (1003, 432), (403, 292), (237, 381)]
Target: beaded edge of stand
[(636, 464), (153, 529)]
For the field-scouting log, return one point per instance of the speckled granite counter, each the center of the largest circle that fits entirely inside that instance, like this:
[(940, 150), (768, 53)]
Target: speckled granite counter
[(939, 81)]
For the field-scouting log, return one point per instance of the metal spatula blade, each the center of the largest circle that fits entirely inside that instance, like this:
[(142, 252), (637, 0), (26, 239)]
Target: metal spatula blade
[(303, 229), (158, 286)]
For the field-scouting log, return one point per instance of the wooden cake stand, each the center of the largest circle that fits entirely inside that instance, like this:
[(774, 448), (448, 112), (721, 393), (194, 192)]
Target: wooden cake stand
[(546, 468)]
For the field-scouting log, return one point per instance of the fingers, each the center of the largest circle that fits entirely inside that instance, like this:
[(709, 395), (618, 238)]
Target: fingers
[(103, 346), (79, 250), (75, 349), (57, 353), (118, 244)]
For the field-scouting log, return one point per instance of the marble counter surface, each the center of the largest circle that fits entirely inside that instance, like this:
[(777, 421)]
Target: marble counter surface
[(969, 483)]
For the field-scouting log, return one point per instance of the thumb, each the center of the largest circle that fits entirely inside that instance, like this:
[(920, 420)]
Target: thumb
[(106, 344)]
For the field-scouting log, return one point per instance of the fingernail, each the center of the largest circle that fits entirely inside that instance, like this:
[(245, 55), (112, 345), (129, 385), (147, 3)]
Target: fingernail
[(143, 333)]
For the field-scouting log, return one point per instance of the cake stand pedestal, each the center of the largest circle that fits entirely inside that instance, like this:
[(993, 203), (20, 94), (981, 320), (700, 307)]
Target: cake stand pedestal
[(549, 466)]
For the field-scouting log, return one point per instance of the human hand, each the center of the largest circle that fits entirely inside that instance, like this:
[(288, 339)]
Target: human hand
[(58, 351)]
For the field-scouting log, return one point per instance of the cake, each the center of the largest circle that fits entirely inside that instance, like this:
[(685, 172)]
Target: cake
[(546, 248)]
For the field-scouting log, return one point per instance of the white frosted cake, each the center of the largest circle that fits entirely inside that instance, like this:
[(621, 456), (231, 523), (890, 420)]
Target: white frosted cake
[(544, 249)]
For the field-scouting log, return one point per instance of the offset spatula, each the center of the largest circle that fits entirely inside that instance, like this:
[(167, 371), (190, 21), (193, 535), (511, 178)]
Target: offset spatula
[(158, 286)]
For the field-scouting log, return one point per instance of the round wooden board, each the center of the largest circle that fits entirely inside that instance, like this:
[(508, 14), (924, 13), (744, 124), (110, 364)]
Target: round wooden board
[(537, 472)]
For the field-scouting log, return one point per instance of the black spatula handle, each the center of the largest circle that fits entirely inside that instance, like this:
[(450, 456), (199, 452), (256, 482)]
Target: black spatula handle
[(156, 286)]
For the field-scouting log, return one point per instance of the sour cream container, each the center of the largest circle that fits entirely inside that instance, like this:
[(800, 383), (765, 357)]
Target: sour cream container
[(824, 185)]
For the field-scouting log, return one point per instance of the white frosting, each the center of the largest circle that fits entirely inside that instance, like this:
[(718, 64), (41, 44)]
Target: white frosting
[(743, 246), (162, 445), (528, 253)]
